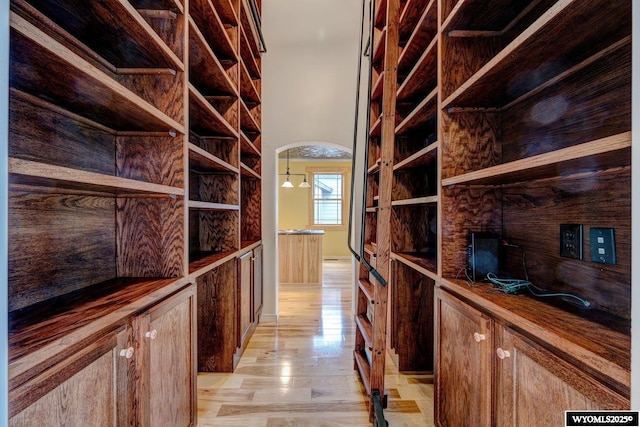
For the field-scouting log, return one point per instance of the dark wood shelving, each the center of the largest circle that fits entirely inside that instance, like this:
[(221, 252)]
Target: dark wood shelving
[(416, 201), (203, 161), (249, 173), (418, 159), (248, 91), (205, 70), (247, 56), (60, 68), (204, 119), (126, 40), (28, 172), (603, 153), (423, 75), (202, 262), (248, 122), (536, 46), (419, 115), (170, 5), (209, 22), (422, 35), (425, 264)]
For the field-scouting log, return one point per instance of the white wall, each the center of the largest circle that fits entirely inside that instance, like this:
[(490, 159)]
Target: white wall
[(308, 96)]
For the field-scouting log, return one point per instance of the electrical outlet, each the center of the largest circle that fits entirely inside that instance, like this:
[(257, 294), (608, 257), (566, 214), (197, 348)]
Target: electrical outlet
[(571, 241), (603, 245)]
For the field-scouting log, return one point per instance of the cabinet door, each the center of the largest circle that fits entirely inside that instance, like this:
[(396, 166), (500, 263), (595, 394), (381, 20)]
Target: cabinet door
[(257, 283), (87, 389), (244, 294), (534, 386), (463, 366), (170, 342)]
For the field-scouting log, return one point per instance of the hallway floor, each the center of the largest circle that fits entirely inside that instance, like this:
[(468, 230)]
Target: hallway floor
[(299, 372)]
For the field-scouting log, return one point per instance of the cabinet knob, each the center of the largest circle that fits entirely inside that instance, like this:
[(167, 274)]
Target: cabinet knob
[(479, 337), (128, 353), (502, 354), (151, 334)]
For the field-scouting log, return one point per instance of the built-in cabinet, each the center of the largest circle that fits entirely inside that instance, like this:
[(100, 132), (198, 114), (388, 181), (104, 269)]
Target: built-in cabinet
[(141, 373), (491, 374), (134, 171), (511, 118), (229, 308)]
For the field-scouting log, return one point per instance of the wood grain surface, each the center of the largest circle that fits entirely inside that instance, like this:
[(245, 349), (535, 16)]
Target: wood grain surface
[(250, 210), (217, 318)]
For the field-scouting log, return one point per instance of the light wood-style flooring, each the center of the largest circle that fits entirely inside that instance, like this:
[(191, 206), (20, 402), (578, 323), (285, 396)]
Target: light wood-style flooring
[(299, 372)]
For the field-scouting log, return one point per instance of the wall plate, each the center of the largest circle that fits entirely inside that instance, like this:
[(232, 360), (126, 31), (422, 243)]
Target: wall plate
[(571, 241), (603, 245)]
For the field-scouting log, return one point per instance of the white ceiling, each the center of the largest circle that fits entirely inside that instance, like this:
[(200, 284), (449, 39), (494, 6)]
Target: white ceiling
[(310, 22)]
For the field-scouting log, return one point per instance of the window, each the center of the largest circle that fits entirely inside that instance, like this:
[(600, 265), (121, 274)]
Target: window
[(328, 203)]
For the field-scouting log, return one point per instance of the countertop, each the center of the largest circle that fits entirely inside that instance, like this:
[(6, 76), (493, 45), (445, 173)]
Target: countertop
[(300, 231)]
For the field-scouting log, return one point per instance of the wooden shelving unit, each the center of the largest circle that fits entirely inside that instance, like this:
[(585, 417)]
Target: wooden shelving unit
[(128, 184), (511, 118)]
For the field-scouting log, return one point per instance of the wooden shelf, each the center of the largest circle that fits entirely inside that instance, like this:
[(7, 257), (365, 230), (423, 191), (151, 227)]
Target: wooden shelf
[(419, 159), (491, 18), (381, 13), (227, 12), (208, 206), (371, 210), (422, 35), (202, 262), (170, 5), (210, 23), (248, 91), (205, 120), (375, 168), (246, 21), (417, 201), (42, 174), (201, 160), (57, 72), (490, 86), (248, 173), (420, 115), (125, 40), (376, 128), (91, 310), (380, 47), (248, 147), (248, 123), (423, 75), (376, 90), (247, 56), (413, 15), (365, 327), (205, 70), (594, 155), (423, 263)]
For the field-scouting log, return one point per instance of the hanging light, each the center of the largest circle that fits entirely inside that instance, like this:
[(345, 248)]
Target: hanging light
[(304, 184), (287, 183)]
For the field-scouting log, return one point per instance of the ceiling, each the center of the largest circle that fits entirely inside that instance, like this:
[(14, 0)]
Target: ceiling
[(316, 152), (310, 22)]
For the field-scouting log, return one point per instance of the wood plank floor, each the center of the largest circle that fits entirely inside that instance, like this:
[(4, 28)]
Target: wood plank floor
[(299, 372)]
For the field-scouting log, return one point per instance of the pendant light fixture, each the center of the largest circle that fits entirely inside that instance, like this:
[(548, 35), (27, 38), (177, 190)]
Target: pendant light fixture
[(287, 183)]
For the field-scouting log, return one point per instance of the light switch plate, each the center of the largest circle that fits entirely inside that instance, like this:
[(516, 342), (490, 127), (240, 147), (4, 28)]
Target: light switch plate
[(603, 245)]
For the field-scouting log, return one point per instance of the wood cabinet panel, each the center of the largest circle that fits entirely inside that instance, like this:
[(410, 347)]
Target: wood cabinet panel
[(245, 296), (300, 258), (534, 386), (257, 284), (172, 370), (85, 389), (463, 363)]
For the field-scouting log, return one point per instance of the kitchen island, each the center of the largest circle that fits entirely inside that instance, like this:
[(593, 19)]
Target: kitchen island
[(300, 256)]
